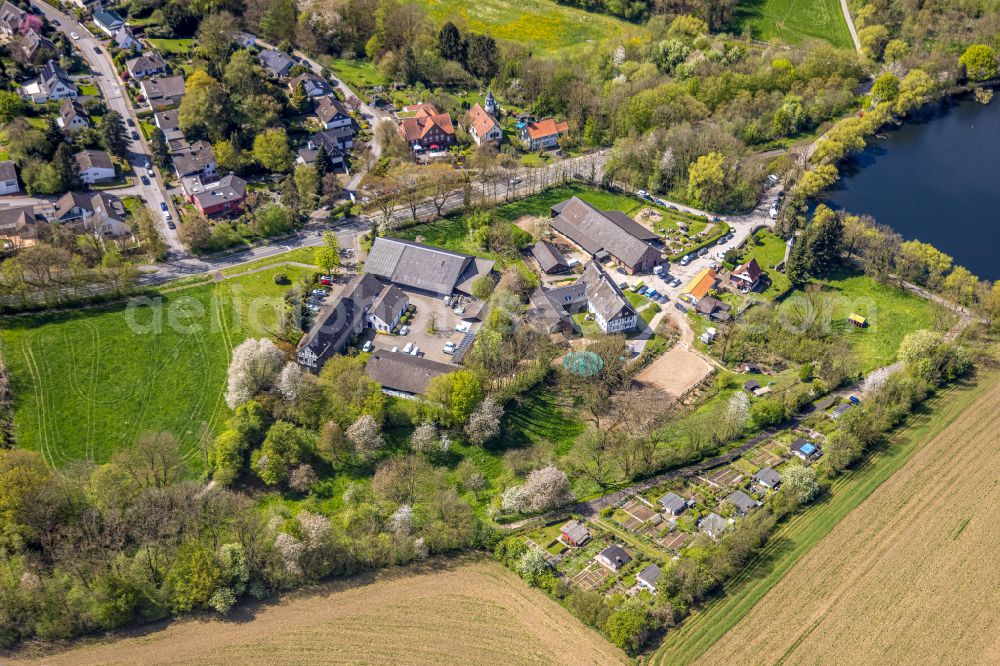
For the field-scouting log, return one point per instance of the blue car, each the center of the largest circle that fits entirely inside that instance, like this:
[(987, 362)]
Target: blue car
[(680, 307), (642, 291), (653, 294), (163, 206), (855, 400)]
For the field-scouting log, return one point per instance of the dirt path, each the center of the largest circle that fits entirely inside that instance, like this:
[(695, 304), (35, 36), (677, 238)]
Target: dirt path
[(466, 612)]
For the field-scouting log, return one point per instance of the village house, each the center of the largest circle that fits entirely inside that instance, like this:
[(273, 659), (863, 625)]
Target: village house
[(673, 504), (549, 258), (594, 291), (713, 525), (18, 226), (541, 134), (427, 129), (94, 166), (37, 47), (162, 92), (747, 275), (10, 19), (427, 269), (109, 21), (195, 159), (72, 116), (279, 64), (124, 39), (574, 533), (332, 113), (606, 234), (387, 309), (805, 450), (314, 85), (483, 127), (713, 308), (224, 196), (768, 478), (648, 577), (8, 178), (338, 139), (744, 503), (403, 375), (334, 159), (98, 213), (614, 557), (169, 124), (149, 64), (699, 287), (52, 83)]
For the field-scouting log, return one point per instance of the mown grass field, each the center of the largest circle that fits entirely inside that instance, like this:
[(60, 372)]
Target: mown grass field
[(458, 613), (796, 21), (945, 417), (541, 25), (88, 382)]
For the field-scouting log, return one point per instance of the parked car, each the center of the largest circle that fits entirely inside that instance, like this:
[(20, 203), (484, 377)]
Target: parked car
[(326, 282), (676, 282), (642, 193), (855, 400), (652, 294), (163, 206), (319, 292), (449, 348), (664, 298), (415, 351), (462, 327), (685, 260), (680, 307), (405, 330), (642, 291), (135, 135), (408, 348), (702, 252), (713, 265), (395, 349), (74, 35), (130, 122), (171, 225), (623, 285), (368, 346), (149, 171), (144, 179), (167, 216), (55, 23), (621, 270)]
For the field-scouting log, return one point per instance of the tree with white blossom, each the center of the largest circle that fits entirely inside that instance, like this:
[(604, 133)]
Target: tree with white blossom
[(290, 381), (253, 368), (401, 522), (484, 423), (426, 439), (545, 489), (366, 437), (874, 382)]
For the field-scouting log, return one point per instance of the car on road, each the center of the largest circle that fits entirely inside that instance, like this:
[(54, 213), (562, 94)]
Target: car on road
[(680, 307), (171, 225), (163, 206), (144, 179), (368, 346), (55, 23), (74, 35), (130, 122), (135, 135), (97, 50)]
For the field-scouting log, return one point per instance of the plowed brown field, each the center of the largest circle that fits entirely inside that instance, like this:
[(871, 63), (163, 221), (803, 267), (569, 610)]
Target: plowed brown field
[(908, 577), (469, 613)]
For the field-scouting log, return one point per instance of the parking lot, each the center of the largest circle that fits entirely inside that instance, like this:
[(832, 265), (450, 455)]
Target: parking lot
[(448, 328)]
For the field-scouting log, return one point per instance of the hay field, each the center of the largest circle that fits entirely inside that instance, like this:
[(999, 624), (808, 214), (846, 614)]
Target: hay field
[(472, 612), (910, 576), (796, 21)]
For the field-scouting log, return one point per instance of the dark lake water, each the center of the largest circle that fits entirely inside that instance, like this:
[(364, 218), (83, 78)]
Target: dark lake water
[(935, 179)]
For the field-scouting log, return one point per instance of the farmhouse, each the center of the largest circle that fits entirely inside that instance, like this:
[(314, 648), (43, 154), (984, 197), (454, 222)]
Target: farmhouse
[(277, 63), (332, 113), (162, 93), (743, 502), (17, 225), (805, 450), (483, 127), (10, 19), (72, 116), (603, 234), (94, 166), (99, 213), (403, 375), (700, 285), (747, 275), (575, 533), (539, 134), (151, 64), (596, 291), (713, 525), (673, 504), (169, 124), (428, 269), (549, 258), (194, 159), (108, 21), (767, 478), (427, 129), (340, 322), (8, 178), (648, 577), (52, 83), (313, 85), (215, 197), (613, 557)]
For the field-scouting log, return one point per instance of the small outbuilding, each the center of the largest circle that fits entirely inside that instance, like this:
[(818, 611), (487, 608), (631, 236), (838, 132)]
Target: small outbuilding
[(648, 577), (768, 478), (713, 525), (614, 557), (673, 504), (743, 502), (805, 449), (575, 533)]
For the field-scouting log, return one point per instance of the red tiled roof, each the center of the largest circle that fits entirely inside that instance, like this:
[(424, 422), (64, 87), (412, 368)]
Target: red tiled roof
[(426, 118), (546, 127), (751, 269), (481, 121)]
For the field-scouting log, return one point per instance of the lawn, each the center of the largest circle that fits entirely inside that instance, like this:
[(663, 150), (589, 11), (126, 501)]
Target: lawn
[(88, 382), (794, 539), (88, 90), (542, 26), (795, 21), (769, 252), (173, 46), (355, 73)]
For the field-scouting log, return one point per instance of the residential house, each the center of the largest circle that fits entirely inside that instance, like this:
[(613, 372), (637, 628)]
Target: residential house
[(223, 196), (94, 166), (427, 128), (37, 47), (332, 113), (549, 308), (245, 40), (700, 285), (124, 39), (593, 290), (52, 83), (72, 116), (10, 19), (648, 577), (549, 258), (109, 21), (607, 234), (403, 375), (673, 504), (713, 308), (99, 213), (169, 124), (387, 309), (279, 64), (613, 557), (541, 134), (314, 85), (18, 225), (744, 503), (148, 64), (194, 159), (574, 533), (713, 525), (483, 127), (162, 92), (8, 178), (747, 275), (338, 139), (767, 478), (308, 157), (339, 323), (804, 449), (432, 270)]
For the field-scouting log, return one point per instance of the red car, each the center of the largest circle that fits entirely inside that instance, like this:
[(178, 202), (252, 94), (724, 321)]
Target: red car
[(326, 282)]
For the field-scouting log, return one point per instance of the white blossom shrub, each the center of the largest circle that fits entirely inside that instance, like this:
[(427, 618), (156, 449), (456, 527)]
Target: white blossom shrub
[(484, 422), (253, 368), (290, 381), (365, 436)]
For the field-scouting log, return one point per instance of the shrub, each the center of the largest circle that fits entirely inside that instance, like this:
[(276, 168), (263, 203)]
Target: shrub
[(281, 278)]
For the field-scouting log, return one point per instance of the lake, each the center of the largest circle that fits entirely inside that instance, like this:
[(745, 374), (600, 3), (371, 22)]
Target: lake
[(934, 179)]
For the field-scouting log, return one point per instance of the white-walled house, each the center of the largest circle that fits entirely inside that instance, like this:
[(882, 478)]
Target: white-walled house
[(8, 178), (95, 166)]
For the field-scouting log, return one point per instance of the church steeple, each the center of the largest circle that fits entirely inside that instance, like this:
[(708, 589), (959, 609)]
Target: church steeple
[(490, 106)]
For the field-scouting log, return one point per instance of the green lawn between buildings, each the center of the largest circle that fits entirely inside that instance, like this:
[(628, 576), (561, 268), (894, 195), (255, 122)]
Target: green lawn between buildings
[(795, 21), (793, 539), (173, 46), (769, 253)]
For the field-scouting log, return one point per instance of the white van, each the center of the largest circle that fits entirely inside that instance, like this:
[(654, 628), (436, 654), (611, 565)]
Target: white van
[(408, 348), (415, 351)]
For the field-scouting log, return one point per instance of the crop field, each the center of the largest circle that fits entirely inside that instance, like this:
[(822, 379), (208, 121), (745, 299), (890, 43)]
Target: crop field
[(801, 554), (858, 596), (466, 613), (540, 25), (89, 382), (796, 21)]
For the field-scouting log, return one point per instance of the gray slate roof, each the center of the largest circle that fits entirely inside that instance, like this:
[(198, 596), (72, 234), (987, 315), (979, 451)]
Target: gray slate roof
[(549, 258), (576, 531), (388, 302), (768, 477), (743, 502), (611, 231), (148, 62), (713, 524), (649, 575), (604, 295), (277, 63), (673, 503), (193, 158), (96, 159), (335, 324), (417, 266), (401, 372), (8, 171), (616, 554)]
